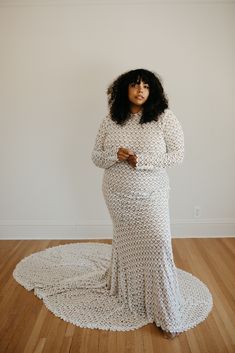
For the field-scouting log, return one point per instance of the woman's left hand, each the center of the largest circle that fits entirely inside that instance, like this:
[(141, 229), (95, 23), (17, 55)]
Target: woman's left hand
[(132, 160)]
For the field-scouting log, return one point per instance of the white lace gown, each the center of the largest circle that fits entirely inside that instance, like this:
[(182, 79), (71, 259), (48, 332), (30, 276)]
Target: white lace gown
[(134, 281)]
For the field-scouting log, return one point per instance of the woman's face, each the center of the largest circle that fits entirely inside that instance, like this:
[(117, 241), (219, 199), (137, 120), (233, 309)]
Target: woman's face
[(138, 93)]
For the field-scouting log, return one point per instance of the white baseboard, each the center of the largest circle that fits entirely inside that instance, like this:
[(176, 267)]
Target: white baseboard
[(190, 228)]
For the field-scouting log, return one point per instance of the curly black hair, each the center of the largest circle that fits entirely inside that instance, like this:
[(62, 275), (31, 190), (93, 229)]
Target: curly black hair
[(119, 104)]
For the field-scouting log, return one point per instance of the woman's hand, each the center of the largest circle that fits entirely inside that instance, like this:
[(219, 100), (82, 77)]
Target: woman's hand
[(124, 153), (132, 160)]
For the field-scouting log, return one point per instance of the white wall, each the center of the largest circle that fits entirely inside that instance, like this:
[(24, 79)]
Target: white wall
[(57, 59)]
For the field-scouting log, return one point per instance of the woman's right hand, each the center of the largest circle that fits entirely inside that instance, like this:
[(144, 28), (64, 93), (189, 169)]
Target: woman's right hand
[(124, 153)]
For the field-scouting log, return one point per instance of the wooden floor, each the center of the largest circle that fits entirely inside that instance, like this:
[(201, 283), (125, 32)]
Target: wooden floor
[(27, 326)]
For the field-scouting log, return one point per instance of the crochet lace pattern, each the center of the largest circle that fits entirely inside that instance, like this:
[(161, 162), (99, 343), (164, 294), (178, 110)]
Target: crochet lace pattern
[(134, 281)]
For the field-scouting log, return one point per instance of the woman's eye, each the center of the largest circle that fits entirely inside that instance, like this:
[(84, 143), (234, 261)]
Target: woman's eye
[(136, 85)]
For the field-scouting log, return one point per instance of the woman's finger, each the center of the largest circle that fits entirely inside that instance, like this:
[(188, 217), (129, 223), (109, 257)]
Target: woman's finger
[(122, 156), (126, 150), (130, 152)]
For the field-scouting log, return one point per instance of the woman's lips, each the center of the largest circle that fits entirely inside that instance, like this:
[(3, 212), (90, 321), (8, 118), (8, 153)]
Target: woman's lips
[(140, 97)]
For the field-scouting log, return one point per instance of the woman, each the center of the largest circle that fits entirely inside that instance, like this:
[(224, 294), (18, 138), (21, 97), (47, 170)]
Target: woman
[(134, 281), (135, 143)]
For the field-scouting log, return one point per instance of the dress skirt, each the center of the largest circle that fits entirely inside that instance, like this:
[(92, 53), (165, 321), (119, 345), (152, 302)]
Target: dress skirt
[(143, 274)]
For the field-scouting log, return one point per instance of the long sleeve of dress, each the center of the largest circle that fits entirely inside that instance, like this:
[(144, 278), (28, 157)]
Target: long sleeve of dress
[(174, 140), (103, 158)]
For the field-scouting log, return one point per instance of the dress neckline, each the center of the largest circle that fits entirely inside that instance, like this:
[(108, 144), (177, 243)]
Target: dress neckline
[(136, 115)]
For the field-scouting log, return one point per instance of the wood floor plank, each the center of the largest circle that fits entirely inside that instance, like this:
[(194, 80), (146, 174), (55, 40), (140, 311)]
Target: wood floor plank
[(34, 337), (147, 338), (112, 342), (76, 344), (40, 345), (103, 341), (66, 345)]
